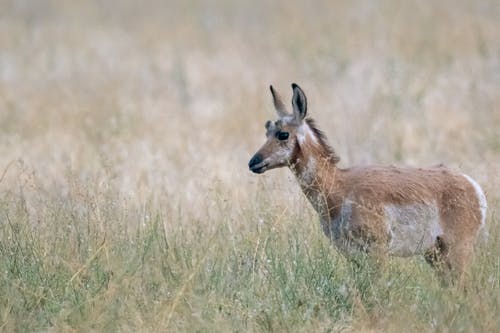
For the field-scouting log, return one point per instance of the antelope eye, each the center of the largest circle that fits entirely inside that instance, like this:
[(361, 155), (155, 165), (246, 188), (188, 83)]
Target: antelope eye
[(282, 136)]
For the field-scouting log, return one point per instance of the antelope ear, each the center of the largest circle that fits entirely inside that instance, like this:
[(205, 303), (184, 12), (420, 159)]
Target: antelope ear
[(278, 103), (299, 102)]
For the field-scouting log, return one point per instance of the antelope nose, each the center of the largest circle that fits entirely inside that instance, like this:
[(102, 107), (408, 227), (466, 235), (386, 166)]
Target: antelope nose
[(256, 159)]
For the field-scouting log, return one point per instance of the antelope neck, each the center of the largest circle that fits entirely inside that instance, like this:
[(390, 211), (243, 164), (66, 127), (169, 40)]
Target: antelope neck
[(313, 168)]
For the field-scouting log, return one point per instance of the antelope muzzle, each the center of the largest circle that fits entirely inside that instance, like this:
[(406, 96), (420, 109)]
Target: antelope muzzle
[(257, 164)]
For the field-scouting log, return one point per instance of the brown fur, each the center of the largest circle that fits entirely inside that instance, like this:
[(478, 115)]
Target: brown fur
[(371, 188)]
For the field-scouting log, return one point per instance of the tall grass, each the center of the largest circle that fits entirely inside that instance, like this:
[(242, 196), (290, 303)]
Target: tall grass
[(100, 270), (125, 130)]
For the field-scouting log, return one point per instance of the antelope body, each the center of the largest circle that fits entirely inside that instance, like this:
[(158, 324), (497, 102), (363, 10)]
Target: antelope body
[(407, 211)]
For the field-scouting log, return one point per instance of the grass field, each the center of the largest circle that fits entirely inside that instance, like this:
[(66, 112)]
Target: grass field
[(126, 203)]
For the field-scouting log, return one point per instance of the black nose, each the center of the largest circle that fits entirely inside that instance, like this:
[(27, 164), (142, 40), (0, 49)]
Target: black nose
[(256, 159)]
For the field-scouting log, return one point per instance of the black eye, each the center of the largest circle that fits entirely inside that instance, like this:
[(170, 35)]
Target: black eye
[(282, 136)]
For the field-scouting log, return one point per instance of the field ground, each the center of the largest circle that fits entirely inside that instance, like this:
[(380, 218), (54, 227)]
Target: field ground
[(125, 131)]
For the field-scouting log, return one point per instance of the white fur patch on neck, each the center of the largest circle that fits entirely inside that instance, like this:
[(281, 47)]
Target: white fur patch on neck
[(310, 171), (304, 133)]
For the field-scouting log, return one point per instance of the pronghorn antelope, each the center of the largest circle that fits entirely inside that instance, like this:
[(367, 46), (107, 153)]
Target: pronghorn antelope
[(406, 211)]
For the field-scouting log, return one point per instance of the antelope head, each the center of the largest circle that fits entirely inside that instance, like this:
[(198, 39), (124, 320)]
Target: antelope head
[(283, 135)]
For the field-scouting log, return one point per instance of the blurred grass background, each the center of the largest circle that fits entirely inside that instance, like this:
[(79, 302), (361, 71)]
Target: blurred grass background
[(125, 132)]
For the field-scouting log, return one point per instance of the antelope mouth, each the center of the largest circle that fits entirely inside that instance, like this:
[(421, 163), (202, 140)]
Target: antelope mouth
[(258, 168), (258, 164)]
